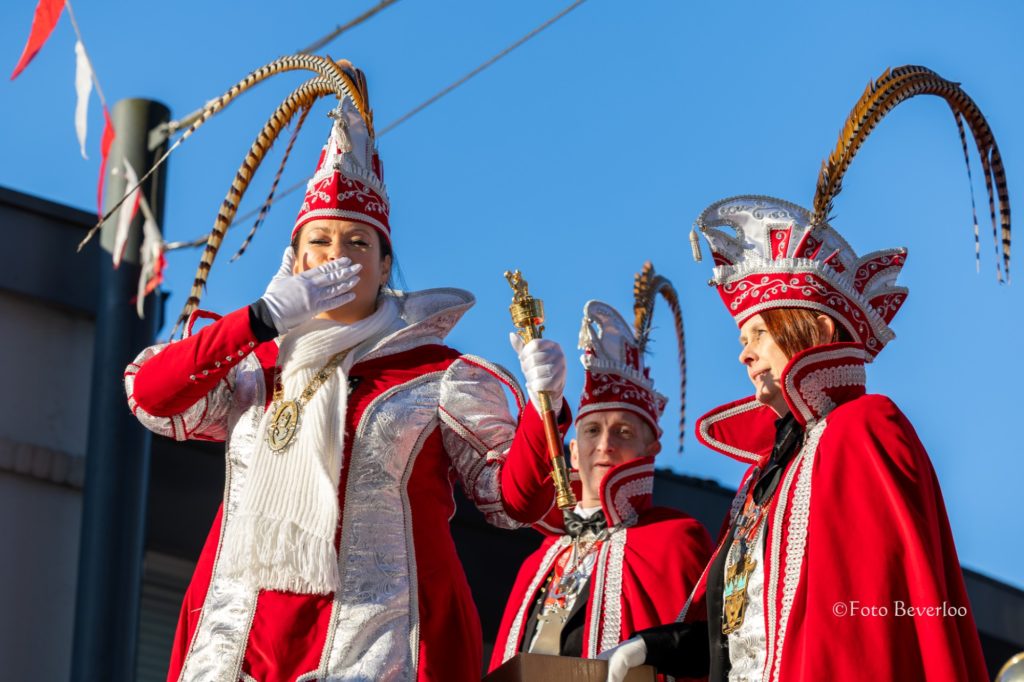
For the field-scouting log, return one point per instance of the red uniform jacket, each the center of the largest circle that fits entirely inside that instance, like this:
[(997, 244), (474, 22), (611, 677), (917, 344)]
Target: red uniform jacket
[(643, 574), (423, 417)]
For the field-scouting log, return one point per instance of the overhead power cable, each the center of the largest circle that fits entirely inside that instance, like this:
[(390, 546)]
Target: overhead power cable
[(444, 91), (171, 127), (200, 241), (314, 47)]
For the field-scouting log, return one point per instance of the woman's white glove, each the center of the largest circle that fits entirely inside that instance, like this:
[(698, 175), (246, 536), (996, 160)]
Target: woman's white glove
[(293, 299), (287, 265), (543, 364), (621, 659)]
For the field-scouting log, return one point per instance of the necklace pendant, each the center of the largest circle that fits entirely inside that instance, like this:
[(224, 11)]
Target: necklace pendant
[(284, 423), (734, 595), (568, 586), (553, 613)]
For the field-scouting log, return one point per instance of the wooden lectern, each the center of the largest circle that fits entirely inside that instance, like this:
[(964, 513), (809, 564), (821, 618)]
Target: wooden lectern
[(541, 668)]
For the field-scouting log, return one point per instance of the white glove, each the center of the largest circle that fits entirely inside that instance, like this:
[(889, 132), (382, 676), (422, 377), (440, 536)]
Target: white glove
[(287, 263), (621, 659), (294, 299), (543, 364)]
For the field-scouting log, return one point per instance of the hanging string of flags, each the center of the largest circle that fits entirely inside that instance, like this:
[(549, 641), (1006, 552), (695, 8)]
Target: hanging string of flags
[(153, 249), (190, 123), (83, 69), (44, 20)]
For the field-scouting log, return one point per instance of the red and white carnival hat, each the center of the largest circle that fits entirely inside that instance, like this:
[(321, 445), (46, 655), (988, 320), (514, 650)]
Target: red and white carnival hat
[(616, 378), (349, 179), (776, 257), (780, 255)]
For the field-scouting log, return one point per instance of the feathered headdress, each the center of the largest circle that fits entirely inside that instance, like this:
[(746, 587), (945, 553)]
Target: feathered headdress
[(349, 179), (338, 78), (613, 354), (780, 255)]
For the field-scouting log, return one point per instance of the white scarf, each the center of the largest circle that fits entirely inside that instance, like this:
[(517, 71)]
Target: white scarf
[(282, 536)]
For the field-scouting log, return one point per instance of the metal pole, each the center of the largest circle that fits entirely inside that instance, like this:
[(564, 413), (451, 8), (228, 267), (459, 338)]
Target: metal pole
[(117, 454)]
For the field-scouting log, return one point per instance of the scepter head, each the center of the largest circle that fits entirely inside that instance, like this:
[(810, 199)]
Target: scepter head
[(527, 311)]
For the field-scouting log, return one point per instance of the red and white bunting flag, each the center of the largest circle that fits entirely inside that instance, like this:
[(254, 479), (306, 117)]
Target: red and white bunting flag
[(126, 213), (45, 18), (108, 139), (83, 88), (153, 260)]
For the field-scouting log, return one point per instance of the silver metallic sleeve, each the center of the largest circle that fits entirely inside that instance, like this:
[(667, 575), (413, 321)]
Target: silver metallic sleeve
[(206, 419), (478, 429)]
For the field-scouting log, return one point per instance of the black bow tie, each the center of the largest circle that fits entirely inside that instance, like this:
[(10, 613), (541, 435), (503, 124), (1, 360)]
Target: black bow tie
[(576, 525)]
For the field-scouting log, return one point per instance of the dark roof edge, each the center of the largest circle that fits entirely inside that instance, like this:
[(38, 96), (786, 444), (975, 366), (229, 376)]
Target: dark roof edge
[(702, 483), (33, 204), (993, 582), (50, 269)]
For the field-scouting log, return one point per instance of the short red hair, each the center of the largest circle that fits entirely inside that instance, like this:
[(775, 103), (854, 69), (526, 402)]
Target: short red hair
[(796, 329)]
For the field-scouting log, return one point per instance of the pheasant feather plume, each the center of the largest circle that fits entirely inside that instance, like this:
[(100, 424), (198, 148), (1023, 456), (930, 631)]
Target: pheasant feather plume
[(883, 95), (647, 284)]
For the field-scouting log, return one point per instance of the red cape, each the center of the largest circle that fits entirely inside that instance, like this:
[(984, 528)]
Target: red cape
[(862, 578), (662, 553)]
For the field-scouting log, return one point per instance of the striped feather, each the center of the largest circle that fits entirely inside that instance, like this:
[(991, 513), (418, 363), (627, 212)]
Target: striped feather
[(834, 168), (265, 208), (891, 89), (974, 206), (303, 97), (646, 286), (340, 81)]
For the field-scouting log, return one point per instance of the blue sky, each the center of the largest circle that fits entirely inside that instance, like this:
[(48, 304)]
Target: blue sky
[(589, 150)]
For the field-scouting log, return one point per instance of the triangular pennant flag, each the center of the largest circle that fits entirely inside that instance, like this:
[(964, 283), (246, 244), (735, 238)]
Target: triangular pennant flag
[(157, 276), (108, 139), (45, 18), (153, 260), (83, 87), (126, 213)]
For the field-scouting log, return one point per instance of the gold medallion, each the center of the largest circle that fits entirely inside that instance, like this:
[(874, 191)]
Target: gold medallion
[(734, 596), (284, 420), (283, 425)]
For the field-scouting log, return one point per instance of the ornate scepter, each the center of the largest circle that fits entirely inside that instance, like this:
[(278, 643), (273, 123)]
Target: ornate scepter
[(528, 318)]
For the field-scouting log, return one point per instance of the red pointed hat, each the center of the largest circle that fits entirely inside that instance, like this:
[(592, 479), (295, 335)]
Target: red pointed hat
[(616, 378), (613, 355), (349, 179)]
